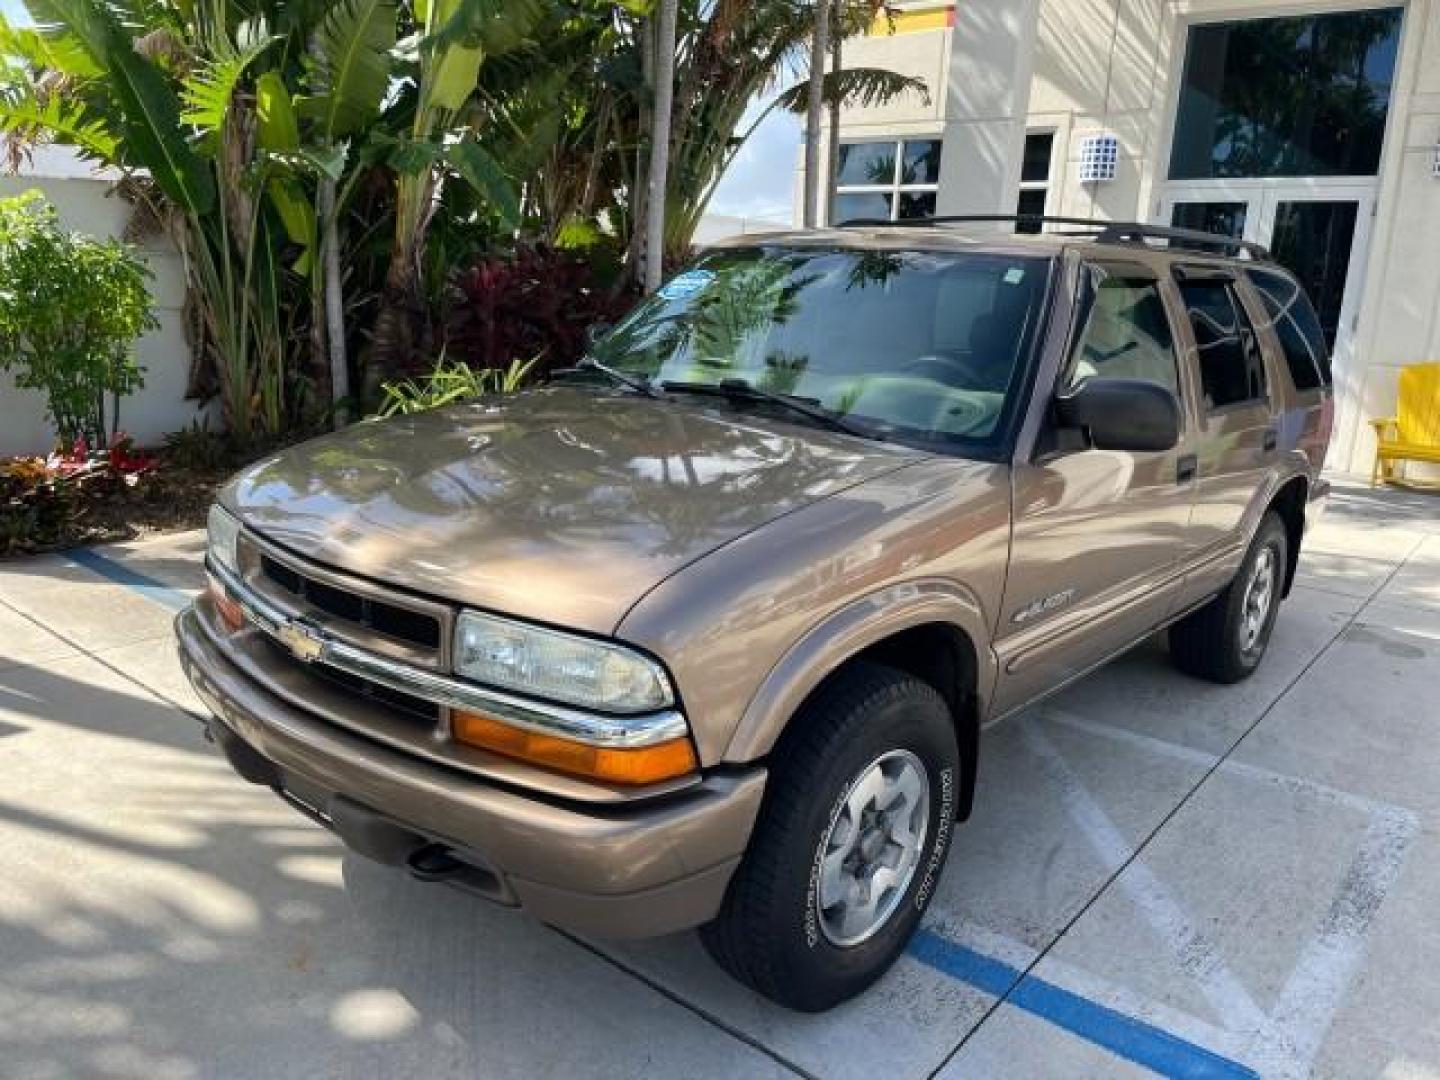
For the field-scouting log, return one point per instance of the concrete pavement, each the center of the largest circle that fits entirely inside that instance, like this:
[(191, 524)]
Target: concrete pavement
[(1161, 876)]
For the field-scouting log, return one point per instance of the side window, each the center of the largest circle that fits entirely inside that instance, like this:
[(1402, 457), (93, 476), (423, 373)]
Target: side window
[(1297, 327), (1127, 332), (1232, 368)]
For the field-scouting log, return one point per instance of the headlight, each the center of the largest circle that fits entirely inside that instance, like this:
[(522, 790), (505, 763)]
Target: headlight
[(562, 667), (224, 536)]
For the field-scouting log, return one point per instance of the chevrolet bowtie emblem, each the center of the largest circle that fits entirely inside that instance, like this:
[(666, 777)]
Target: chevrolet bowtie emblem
[(303, 642)]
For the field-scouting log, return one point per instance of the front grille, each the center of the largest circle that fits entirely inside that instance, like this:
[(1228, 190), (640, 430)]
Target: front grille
[(400, 624), (406, 703)]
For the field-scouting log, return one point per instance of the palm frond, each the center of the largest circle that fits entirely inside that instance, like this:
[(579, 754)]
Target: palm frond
[(207, 93), (28, 119), (482, 172), (495, 26), (50, 49), (861, 88), (148, 106), (348, 69)]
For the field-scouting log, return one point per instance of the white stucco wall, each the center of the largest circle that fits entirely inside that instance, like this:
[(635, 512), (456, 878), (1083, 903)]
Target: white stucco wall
[(1080, 67), (85, 204)]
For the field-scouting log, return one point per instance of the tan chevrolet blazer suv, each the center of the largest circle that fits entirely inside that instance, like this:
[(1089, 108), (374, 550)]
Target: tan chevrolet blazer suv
[(704, 631)]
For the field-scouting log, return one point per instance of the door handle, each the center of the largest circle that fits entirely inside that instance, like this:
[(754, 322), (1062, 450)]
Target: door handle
[(1270, 441), (1187, 468)]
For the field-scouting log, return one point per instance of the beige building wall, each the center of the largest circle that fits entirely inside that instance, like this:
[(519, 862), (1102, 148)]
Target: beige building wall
[(1082, 67)]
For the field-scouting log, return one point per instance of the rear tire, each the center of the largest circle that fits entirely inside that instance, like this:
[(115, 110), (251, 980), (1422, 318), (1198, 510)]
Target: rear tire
[(850, 841), (1225, 640)]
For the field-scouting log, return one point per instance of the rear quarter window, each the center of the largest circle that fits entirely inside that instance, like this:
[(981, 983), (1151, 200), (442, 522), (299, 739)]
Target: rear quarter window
[(1295, 323), (1232, 367)]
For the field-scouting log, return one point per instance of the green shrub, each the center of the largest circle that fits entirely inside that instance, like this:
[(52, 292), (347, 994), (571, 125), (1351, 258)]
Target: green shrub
[(71, 308), (451, 381)]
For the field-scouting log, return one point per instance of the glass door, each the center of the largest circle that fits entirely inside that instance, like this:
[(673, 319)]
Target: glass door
[(1319, 233)]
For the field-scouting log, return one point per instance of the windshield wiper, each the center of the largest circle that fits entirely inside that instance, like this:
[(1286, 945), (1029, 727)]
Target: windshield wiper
[(639, 383), (740, 390)]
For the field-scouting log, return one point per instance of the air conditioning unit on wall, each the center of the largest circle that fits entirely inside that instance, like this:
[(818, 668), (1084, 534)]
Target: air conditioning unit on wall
[(1099, 158)]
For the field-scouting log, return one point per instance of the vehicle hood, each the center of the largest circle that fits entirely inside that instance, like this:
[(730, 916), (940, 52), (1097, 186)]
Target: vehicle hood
[(560, 505)]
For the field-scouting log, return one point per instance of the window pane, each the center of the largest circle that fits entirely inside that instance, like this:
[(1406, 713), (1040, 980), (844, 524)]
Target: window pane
[(866, 163), (1298, 329), (917, 204), (1032, 201), (1304, 96), (872, 204), (1225, 218), (1231, 368), (1035, 168), (922, 162), (1127, 334)]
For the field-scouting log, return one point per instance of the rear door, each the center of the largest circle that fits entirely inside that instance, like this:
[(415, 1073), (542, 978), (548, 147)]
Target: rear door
[(1099, 536), (1238, 439)]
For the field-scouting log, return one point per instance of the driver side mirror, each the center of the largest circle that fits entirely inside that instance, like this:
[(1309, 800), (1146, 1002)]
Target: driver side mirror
[(1122, 414)]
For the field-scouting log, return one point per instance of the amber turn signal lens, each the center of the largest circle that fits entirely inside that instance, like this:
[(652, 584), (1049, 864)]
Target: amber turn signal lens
[(631, 765), (229, 610)]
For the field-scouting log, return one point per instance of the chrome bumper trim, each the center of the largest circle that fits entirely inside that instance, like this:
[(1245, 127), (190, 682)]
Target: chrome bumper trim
[(312, 644)]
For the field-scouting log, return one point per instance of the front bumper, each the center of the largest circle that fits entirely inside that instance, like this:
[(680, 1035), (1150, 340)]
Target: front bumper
[(612, 871)]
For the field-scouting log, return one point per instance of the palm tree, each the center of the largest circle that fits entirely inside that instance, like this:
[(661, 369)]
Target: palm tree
[(664, 95), (730, 52), (819, 45)]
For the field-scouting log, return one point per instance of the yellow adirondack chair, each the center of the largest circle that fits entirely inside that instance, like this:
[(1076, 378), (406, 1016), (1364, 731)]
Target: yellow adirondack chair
[(1413, 434)]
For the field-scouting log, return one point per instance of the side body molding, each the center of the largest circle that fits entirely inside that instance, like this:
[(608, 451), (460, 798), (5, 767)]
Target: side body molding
[(849, 631)]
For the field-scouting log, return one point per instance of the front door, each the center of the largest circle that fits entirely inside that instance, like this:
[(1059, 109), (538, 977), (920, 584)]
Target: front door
[(1318, 229), (1100, 536)]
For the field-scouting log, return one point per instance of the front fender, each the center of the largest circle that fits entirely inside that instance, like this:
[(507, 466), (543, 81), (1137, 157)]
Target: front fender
[(848, 632)]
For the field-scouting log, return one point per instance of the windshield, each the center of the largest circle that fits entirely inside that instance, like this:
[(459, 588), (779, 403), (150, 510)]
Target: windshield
[(926, 347)]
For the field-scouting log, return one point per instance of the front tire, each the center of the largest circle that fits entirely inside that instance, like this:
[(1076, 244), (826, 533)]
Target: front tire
[(1225, 640), (850, 842)]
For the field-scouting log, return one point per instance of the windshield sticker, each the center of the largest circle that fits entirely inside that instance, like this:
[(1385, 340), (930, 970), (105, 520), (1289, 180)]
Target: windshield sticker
[(684, 286), (1014, 276)]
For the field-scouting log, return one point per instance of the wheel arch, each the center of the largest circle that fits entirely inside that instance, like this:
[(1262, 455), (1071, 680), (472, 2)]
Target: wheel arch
[(931, 630), (1289, 503)]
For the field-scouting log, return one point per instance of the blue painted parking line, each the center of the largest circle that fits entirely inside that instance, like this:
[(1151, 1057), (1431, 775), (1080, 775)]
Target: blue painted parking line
[(1134, 1040), (147, 586)]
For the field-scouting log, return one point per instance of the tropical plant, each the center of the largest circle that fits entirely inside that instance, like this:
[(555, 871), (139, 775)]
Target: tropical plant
[(71, 309), (537, 301), (255, 124), (154, 90), (449, 382), (443, 60), (324, 167)]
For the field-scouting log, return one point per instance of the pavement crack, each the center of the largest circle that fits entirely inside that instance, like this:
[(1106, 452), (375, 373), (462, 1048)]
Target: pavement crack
[(689, 1006)]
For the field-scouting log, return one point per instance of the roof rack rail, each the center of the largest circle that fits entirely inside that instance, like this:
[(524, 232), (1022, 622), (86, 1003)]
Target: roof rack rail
[(1104, 232)]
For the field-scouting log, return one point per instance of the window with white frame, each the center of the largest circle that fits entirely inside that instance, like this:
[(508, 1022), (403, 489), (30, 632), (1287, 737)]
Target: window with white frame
[(890, 180), (1035, 178)]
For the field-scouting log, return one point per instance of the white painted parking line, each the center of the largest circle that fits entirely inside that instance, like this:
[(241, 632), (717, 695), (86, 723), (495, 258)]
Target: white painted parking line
[(1197, 956), (1285, 1042)]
